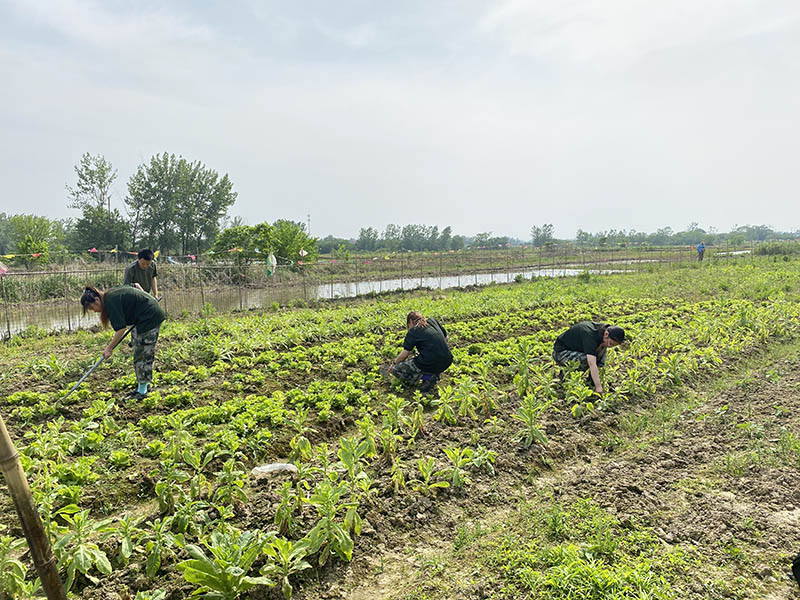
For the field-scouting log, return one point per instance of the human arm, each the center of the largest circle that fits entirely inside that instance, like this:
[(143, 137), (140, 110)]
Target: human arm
[(591, 360), (400, 358), (118, 334), (155, 287)]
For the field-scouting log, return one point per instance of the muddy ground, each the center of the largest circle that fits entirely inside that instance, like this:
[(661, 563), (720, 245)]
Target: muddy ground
[(709, 471)]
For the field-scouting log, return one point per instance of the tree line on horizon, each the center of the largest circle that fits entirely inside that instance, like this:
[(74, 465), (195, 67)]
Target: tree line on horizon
[(181, 207)]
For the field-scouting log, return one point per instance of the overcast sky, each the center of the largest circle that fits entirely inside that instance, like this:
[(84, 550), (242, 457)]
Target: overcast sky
[(487, 116)]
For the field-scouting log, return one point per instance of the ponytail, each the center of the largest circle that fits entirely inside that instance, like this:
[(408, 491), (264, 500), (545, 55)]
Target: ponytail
[(90, 294), (415, 319)]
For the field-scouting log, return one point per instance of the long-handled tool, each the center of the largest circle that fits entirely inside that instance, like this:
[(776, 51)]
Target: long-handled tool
[(99, 362)]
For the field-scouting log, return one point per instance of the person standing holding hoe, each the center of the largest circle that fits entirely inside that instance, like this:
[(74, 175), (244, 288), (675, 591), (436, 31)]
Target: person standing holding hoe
[(586, 343), (122, 307), (433, 353)]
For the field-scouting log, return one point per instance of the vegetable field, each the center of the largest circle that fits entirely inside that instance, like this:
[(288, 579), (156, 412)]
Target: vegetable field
[(682, 481)]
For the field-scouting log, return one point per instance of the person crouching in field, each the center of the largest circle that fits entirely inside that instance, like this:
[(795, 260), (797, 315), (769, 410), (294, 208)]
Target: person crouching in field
[(433, 354), (122, 307), (586, 343)]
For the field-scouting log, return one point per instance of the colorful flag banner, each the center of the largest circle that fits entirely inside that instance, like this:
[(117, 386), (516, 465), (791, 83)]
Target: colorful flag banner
[(3, 269), (93, 250), (272, 263), (302, 252)]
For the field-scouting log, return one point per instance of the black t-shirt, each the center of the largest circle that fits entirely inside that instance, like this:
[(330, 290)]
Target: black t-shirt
[(434, 354), (128, 306), (584, 337)]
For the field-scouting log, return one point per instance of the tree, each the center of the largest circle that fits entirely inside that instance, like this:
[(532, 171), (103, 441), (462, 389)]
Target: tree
[(445, 239), (30, 234), (289, 238), (283, 238), (175, 204), (95, 178), (480, 239), (542, 235), (367, 239), (98, 226)]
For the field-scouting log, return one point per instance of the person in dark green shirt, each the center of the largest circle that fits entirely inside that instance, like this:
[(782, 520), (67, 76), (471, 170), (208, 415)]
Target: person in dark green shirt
[(585, 343), (143, 273), (429, 338), (122, 307)]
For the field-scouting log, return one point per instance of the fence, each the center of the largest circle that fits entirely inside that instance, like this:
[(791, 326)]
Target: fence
[(48, 300)]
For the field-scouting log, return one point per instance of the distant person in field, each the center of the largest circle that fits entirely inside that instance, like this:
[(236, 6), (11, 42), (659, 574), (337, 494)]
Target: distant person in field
[(142, 273), (701, 248), (122, 307), (429, 338), (585, 344)]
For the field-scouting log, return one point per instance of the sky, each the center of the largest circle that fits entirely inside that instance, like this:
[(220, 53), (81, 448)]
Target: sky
[(485, 116)]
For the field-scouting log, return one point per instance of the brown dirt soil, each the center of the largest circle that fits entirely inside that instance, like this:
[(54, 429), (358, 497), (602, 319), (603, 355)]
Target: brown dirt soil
[(678, 478)]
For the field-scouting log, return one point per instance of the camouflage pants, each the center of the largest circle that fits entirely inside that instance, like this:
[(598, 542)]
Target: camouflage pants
[(407, 372), (144, 353), (566, 356)]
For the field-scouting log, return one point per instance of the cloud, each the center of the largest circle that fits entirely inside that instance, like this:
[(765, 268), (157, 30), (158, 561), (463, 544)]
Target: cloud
[(615, 33), (90, 22)]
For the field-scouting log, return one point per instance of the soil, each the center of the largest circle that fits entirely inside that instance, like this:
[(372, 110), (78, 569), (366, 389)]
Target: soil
[(744, 523)]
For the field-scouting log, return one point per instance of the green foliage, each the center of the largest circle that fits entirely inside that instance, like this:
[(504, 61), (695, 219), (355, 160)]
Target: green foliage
[(529, 414), (177, 205), (285, 559), (13, 572), (330, 535), (223, 575), (78, 550), (430, 479)]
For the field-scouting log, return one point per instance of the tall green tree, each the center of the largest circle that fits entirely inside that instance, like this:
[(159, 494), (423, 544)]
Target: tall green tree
[(175, 204), (541, 235), (95, 177), (99, 225)]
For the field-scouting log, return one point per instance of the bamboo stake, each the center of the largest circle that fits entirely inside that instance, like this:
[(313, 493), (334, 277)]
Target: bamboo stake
[(41, 552)]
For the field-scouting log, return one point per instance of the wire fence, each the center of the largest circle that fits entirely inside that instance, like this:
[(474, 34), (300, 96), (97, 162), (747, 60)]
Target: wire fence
[(48, 300)]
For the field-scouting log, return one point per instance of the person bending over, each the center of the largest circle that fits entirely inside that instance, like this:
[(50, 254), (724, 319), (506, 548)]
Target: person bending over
[(429, 338), (122, 307), (586, 343)]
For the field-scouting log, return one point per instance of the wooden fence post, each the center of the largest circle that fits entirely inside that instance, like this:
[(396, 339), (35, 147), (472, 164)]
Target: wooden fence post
[(39, 544)]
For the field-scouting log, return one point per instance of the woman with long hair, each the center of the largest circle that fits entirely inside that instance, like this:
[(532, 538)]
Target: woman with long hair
[(122, 307), (429, 338)]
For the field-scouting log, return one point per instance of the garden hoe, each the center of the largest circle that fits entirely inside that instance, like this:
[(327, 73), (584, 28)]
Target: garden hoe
[(97, 364)]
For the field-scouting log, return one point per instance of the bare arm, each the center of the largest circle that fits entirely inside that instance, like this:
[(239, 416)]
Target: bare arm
[(114, 341), (400, 358), (155, 287), (595, 373)]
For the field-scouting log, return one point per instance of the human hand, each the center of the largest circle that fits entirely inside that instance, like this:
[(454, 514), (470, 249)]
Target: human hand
[(598, 389), (107, 352), (138, 287)]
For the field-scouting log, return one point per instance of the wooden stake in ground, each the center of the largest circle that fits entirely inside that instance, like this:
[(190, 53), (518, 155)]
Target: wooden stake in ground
[(42, 554)]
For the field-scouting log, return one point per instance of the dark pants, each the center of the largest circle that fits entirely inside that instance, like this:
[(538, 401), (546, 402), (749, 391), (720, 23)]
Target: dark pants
[(410, 374), (563, 357)]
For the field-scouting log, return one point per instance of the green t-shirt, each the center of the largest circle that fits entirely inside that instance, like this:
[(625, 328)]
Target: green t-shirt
[(584, 337), (128, 306), (144, 277)]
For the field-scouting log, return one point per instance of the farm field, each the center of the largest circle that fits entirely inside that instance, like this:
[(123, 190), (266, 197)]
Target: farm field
[(681, 482)]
